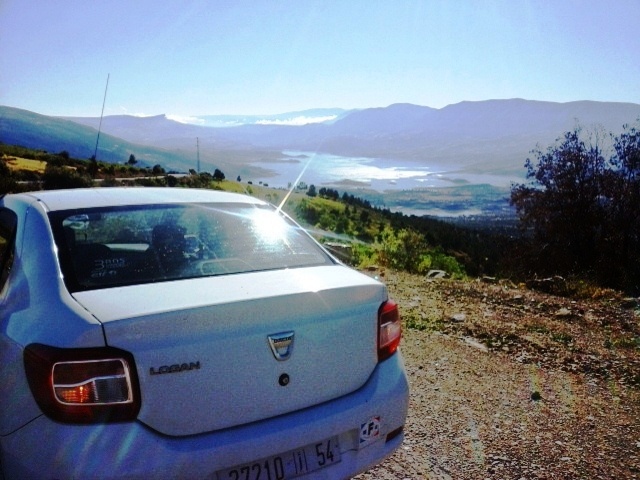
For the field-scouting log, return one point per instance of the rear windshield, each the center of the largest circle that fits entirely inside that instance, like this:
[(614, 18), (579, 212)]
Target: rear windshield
[(108, 247)]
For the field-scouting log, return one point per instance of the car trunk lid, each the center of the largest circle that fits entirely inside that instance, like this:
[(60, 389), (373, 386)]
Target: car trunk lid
[(216, 352)]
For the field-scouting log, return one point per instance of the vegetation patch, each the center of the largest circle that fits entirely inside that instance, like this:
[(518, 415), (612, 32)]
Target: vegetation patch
[(416, 320), (17, 164)]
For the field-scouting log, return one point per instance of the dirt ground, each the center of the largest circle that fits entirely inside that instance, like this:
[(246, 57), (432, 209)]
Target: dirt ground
[(508, 383)]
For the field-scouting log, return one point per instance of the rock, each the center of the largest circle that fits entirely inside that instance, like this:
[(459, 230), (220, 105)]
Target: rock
[(563, 312), (436, 274), (555, 285), (458, 317), (472, 342)]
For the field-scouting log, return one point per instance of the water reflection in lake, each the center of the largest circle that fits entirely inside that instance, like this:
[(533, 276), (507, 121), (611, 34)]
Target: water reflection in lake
[(372, 173)]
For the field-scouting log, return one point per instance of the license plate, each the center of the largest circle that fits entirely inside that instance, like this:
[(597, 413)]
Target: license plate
[(287, 465)]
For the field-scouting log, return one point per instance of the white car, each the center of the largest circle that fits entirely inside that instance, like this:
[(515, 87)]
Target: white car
[(182, 333)]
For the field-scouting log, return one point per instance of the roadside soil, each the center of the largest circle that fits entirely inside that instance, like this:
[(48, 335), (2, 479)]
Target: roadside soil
[(510, 383)]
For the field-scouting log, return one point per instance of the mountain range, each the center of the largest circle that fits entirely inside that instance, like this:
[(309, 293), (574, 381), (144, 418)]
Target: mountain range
[(492, 136)]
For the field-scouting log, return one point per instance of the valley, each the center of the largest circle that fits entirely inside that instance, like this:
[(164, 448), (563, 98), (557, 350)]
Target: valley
[(460, 160)]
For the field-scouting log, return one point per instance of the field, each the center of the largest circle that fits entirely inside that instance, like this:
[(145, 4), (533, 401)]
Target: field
[(17, 163)]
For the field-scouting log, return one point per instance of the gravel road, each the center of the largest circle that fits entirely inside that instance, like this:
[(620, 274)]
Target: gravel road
[(477, 413)]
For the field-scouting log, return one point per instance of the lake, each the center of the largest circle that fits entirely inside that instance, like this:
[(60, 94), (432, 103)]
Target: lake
[(322, 169)]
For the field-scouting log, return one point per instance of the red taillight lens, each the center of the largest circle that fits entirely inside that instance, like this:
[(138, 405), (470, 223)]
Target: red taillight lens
[(389, 329), (83, 385)]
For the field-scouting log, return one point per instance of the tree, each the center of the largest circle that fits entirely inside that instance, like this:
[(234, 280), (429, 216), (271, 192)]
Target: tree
[(55, 178), (7, 182), (93, 167), (402, 249), (171, 181), (218, 175), (132, 160), (623, 191), (581, 210), (562, 205), (311, 192)]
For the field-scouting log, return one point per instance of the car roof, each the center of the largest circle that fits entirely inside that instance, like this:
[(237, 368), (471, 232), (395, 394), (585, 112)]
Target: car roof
[(120, 196)]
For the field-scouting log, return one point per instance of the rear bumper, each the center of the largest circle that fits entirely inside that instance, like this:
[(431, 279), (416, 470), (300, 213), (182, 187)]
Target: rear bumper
[(45, 449)]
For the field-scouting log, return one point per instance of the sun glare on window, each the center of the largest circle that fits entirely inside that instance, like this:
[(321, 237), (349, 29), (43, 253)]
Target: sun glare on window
[(269, 227)]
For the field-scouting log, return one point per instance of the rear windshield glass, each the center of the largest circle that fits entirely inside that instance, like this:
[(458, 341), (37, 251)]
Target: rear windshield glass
[(110, 247)]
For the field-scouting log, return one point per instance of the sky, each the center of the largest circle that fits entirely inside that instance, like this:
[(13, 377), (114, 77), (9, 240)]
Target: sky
[(253, 57)]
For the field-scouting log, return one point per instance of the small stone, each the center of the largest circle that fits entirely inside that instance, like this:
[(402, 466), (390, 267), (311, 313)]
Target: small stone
[(476, 344), (436, 274)]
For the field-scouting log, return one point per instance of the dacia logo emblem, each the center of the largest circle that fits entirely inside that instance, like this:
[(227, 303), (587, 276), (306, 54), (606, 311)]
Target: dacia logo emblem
[(281, 345)]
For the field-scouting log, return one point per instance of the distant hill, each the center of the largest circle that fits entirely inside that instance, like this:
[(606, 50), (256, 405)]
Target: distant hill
[(157, 130), (28, 129), (493, 136), (303, 117), (168, 130), (142, 137)]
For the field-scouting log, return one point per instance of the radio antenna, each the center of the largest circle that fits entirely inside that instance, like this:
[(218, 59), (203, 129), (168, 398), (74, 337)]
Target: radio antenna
[(198, 153), (104, 100)]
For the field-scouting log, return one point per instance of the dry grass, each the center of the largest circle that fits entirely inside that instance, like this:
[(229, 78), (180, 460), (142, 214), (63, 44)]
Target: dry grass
[(17, 163), (597, 336)]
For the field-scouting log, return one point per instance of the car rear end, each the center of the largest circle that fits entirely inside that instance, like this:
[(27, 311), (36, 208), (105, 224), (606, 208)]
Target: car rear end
[(261, 357)]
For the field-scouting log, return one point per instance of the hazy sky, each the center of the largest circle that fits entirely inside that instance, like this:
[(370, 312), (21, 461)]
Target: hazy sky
[(267, 56)]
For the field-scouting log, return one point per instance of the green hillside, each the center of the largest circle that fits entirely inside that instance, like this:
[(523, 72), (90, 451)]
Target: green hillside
[(40, 132)]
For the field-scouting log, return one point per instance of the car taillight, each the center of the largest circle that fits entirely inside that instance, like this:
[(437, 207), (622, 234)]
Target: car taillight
[(83, 385), (389, 329)]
